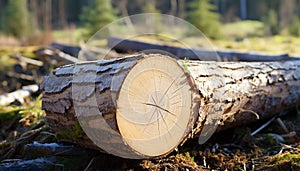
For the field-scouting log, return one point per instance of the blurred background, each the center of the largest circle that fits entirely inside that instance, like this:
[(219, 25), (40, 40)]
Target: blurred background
[(264, 26), (251, 23)]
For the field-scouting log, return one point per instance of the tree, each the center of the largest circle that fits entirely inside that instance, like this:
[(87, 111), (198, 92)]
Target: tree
[(150, 7), (16, 18), (271, 23), (95, 16), (294, 28), (62, 14), (181, 8), (203, 17), (123, 7), (286, 13), (34, 8)]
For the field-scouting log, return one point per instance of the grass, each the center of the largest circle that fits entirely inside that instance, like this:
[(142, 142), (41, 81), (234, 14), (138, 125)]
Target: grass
[(243, 36), (287, 156), (271, 45), (23, 50), (246, 28), (30, 114), (6, 62), (69, 36)]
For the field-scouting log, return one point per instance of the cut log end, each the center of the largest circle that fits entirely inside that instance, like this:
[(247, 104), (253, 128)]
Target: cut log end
[(154, 106)]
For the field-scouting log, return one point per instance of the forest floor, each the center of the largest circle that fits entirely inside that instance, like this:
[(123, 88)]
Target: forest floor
[(27, 143)]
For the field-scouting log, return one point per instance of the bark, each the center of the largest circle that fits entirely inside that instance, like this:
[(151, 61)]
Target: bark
[(239, 93), (121, 45), (230, 94)]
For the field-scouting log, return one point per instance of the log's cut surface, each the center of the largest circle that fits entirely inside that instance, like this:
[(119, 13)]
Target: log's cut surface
[(136, 107), (145, 105)]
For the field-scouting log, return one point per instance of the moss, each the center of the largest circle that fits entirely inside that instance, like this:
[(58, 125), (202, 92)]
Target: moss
[(185, 64), (289, 157), (189, 157), (8, 113), (71, 134)]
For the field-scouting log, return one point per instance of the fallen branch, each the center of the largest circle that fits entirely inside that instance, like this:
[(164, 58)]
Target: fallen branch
[(55, 54), (22, 76), (18, 95), (25, 60)]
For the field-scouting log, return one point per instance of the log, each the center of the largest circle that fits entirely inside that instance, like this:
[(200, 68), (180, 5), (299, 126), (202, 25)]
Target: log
[(239, 93), (26, 60), (126, 106), (126, 46), (67, 49), (54, 54), (191, 99)]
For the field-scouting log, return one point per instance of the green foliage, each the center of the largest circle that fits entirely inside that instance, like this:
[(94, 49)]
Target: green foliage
[(16, 18), (10, 112), (185, 64), (96, 16), (203, 17), (30, 114), (271, 23), (294, 28)]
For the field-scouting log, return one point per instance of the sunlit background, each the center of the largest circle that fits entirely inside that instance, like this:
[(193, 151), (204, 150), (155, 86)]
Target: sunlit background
[(247, 25)]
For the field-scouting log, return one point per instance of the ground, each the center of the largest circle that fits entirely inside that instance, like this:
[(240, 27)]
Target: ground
[(233, 149)]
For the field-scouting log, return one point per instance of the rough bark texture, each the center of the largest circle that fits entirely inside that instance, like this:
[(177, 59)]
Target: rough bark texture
[(238, 93), (58, 100), (231, 94)]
